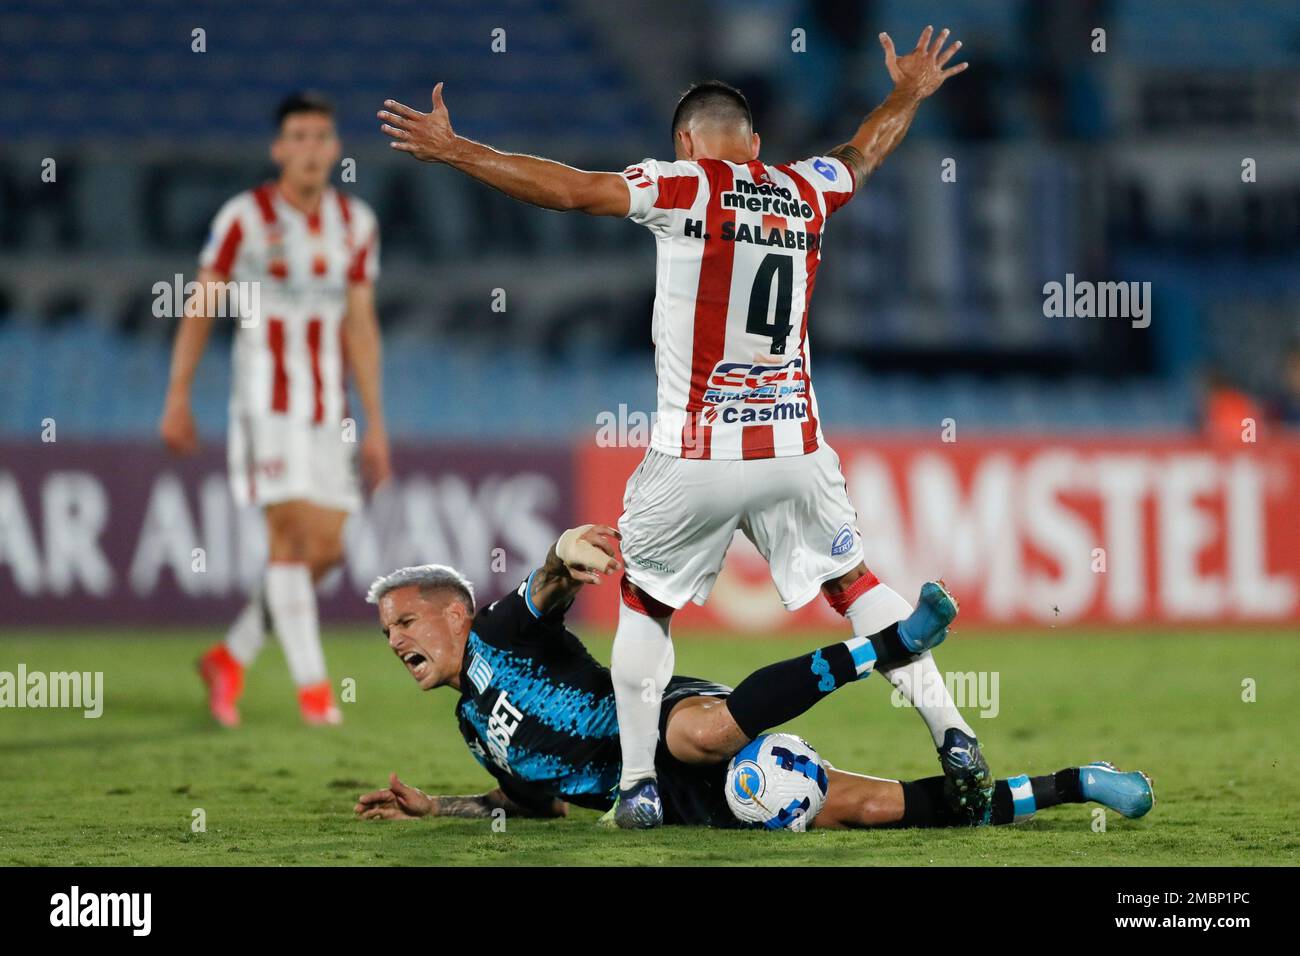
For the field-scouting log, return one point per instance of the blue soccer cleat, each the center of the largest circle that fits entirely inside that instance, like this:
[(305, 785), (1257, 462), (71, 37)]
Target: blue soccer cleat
[(1129, 793), (968, 782), (927, 626), (638, 808)]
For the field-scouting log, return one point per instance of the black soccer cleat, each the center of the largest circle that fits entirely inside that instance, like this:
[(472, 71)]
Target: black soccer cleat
[(968, 782)]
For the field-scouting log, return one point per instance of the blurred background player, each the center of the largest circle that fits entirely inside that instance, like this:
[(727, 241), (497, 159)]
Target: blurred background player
[(737, 442), (303, 257), (1285, 402), (1228, 409)]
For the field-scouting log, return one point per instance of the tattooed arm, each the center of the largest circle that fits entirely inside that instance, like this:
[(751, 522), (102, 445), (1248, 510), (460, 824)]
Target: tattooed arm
[(581, 555), (398, 801), (915, 76), (483, 805)]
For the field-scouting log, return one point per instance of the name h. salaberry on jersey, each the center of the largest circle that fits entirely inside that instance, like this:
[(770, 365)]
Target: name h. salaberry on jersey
[(738, 250), (289, 360)]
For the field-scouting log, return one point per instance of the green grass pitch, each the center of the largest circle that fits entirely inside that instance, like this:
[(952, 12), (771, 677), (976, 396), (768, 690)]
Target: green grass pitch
[(122, 789)]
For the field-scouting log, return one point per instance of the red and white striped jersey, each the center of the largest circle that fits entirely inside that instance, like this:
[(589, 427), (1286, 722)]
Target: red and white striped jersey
[(738, 249), (289, 356)]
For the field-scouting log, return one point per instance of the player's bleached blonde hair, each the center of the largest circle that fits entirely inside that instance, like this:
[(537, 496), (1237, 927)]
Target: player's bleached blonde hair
[(429, 578)]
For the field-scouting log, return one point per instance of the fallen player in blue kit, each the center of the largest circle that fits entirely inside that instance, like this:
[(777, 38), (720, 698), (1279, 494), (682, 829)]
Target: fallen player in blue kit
[(537, 710)]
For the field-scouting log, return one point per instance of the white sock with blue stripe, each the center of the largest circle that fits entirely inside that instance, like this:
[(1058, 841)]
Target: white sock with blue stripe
[(1023, 804), (863, 653)]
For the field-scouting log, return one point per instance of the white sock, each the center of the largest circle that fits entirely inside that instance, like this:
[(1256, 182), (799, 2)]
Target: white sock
[(247, 635), (922, 684), (875, 609), (291, 600), (641, 665), (920, 681)]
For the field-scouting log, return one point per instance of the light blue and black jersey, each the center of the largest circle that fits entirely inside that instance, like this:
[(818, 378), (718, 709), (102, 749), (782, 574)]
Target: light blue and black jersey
[(536, 709)]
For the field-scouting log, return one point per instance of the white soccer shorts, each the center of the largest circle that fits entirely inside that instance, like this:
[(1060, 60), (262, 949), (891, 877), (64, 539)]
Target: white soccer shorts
[(273, 459), (680, 514)]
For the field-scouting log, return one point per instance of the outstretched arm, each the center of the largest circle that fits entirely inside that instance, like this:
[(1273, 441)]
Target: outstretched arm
[(915, 76), (540, 182)]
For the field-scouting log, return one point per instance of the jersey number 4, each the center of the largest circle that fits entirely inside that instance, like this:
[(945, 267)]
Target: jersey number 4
[(779, 269)]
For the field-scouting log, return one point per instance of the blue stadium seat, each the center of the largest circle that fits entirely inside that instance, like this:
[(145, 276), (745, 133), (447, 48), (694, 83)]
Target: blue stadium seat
[(100, 71)]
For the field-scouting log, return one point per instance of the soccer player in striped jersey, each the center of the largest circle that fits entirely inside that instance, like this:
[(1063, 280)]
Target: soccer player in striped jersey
[(301, 259), (538, 711), (737, 443)]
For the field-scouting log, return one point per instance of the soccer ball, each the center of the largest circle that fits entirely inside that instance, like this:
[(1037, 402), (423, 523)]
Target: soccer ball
[(777, 782)]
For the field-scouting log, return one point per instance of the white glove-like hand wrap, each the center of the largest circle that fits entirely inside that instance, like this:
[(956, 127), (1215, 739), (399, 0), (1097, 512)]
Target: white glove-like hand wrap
[(576, 552)]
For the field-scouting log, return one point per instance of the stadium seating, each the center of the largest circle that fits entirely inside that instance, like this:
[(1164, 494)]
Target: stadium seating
[(48, 372), (89, 82), (55, 72)]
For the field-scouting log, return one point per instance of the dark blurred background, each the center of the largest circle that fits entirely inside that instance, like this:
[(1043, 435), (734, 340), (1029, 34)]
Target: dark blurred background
[(1122, 165)]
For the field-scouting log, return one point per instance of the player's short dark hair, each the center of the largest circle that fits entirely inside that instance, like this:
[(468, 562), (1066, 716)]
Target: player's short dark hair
[(714, 99), (303, 101)]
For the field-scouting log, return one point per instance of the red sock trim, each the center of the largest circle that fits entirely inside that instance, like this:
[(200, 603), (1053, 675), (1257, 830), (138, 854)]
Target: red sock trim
[(641, 602), (843, 600)]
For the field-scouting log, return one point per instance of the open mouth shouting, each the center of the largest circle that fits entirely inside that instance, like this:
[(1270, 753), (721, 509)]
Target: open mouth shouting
[(417, 665)]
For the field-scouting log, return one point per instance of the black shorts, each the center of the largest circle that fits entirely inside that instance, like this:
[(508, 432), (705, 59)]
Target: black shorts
[(692, 794)]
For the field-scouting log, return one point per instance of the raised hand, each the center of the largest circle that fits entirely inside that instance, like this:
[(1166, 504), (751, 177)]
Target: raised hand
[(921, 72), (426, 136)]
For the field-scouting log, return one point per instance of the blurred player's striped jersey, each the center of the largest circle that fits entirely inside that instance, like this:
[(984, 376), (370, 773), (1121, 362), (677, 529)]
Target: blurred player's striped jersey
[(289, 359), (738, 249)]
